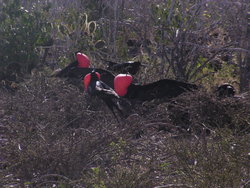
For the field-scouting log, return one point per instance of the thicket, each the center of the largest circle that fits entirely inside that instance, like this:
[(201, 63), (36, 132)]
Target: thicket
[(21, 31), (190, 41), (59, 137), (53, 135)]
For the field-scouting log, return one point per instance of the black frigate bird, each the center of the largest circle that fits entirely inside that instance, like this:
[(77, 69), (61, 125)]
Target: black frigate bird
[(225, 90), (162, 88), (130, 67), (78, 69), (95, 87)]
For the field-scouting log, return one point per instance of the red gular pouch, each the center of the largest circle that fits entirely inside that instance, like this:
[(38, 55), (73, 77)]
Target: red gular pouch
[(83, 60), (87, 80), (121, 84)]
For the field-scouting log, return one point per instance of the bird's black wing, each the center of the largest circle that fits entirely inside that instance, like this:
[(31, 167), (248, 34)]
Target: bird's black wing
[(106, 77), (104, 89), (110, 63), (109, 96), (66, 71), (126, 67), (162, 88), (72, 72)]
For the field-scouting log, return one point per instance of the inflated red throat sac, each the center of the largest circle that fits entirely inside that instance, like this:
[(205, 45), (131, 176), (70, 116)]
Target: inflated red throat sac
[(121, 84), (87, 79), (83, 60)]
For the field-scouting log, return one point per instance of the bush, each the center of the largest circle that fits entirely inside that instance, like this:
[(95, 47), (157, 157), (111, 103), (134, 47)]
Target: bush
[(52, 129), (21, 32), (58, 136)]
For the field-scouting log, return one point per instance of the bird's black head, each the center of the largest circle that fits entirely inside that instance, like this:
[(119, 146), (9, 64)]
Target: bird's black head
[(95, 76), (90, 81), (226, 90)]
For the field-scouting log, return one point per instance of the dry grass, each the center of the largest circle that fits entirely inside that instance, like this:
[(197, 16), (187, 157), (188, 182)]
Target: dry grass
[(57, 136)]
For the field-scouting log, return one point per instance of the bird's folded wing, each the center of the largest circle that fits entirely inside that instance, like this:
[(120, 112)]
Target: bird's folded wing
[(108, 91)]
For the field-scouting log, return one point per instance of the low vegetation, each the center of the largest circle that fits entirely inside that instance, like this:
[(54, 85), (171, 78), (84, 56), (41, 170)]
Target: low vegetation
[(58, 136), (54, 135)]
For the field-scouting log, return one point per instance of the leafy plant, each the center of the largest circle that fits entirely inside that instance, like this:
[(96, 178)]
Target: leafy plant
[(21, 31)]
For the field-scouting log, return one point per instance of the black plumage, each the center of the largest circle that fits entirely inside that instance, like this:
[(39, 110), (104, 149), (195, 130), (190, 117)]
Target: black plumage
[(225, 90), (162, 88), (131, 67), (73, 72), (98, 88), (67, 71)]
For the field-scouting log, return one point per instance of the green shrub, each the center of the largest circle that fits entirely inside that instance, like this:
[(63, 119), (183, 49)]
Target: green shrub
[(21, 31)]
